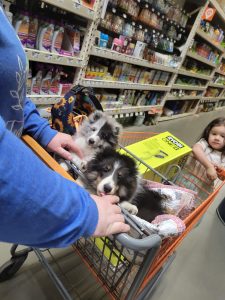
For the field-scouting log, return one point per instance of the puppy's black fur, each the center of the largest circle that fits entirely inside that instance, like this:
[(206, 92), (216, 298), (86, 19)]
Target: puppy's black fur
[(110, 172)]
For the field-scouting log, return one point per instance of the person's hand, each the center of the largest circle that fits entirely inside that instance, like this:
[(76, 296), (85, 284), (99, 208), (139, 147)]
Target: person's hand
[(220, 172), (110, 219), (61, 144), (211, 172)]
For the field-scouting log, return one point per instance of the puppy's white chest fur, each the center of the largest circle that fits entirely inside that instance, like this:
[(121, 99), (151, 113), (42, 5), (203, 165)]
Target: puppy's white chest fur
[(83, 145)]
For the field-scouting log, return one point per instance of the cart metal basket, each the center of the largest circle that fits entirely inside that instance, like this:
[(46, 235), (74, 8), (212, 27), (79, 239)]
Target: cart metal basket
[(128, 266)]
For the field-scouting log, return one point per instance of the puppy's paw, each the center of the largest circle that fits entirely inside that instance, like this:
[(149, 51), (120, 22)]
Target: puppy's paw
[(131, 208), (64, 166), (83, 166)]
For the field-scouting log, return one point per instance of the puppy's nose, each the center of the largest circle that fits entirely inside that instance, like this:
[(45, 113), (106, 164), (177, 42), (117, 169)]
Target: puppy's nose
[(91, 141), (107, 188)]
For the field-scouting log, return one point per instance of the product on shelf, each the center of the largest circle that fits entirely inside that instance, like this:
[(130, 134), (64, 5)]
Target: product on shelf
[(186, 80), (206, 51), (41, 33), (88, 3), (194, 66), (57, 39), (147, 26), (222, 67), (219, 79), (128, 98), (179, 107), (215, 33), (181, 93), (101, 69), (32, 32), (48, 80), (21, 25), (71, 41), (206, 106), (221, 103), (212, 92)]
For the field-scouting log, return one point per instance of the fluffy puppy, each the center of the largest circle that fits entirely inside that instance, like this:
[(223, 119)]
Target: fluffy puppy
[(96, 132), (112, 173)]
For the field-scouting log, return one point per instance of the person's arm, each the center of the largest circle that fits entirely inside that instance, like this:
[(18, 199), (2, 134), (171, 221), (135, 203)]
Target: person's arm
[(199, 154), (35, 125), (40, 208)]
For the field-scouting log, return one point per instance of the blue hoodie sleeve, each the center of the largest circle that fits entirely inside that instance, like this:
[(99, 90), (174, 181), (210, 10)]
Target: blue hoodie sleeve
[(35, 125), (38, 207)]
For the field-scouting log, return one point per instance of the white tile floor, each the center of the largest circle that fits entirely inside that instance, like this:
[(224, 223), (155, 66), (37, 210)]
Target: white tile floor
[(197, 273)]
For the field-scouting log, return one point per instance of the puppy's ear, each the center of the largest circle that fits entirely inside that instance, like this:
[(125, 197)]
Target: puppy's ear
[(95, 116), (117, 129), (91, 176)]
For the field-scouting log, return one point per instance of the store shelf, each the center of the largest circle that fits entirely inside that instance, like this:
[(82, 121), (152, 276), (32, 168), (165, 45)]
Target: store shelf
[(122, 85), (110, 54), (200, 58), (210, 99), (131, 109), (73, 6), (44, 99), (220, 108), (188, 87), (48, 57), (218, 8), (220, 72), (195, 75), (183, 98), (166, 118), (216, 85), (208, 39)]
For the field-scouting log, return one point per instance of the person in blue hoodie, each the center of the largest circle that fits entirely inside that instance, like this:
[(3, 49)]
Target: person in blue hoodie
[(38, 207)]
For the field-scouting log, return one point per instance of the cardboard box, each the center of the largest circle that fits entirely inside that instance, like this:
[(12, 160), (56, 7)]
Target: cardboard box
[(160, 152)]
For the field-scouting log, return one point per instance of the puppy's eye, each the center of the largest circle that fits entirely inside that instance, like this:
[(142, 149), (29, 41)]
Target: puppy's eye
[(104, 136), (120, 175), (100, 146), (93, 129)]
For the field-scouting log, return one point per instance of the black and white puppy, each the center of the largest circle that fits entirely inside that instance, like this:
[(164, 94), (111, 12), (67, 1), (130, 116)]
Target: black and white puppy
[(96, 132), (112, 173)]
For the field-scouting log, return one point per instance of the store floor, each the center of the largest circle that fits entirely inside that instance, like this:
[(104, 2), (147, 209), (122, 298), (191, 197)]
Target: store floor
[(197, 272)]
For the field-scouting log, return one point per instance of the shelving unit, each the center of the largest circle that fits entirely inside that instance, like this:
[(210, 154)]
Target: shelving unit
[(110, 54), (122, 85), (195, 75), (205, 36), (44, 99), (74, 6), (194, 93), (48, 57), (166, 118), (131, 110), (200, 59), (198, 34)]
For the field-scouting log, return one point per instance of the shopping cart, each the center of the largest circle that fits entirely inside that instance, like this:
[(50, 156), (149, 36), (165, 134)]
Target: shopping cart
[(128, 266)]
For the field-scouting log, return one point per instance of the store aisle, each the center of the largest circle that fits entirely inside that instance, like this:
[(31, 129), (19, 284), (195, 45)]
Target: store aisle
[(197, 272)]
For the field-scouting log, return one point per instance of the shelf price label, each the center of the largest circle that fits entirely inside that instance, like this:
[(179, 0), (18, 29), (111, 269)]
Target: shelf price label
[(77, 4)]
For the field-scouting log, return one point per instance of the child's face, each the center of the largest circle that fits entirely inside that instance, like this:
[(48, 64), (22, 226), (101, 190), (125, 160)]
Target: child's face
[(217, 137)]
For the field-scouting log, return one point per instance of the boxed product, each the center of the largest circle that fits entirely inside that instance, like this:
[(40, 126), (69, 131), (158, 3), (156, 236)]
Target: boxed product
[(139, 49), (160, 152)]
